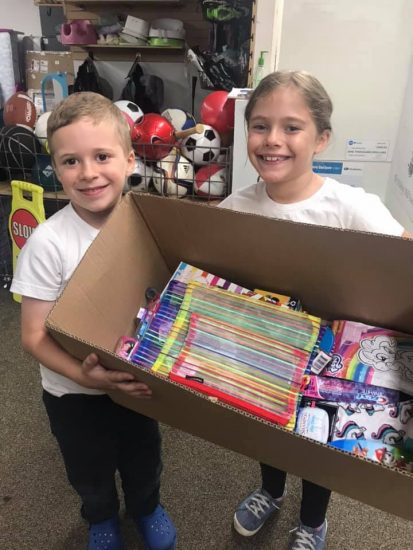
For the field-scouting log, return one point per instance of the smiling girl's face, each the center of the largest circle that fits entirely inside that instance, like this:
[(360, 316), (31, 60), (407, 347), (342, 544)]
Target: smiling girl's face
[(282, 141)]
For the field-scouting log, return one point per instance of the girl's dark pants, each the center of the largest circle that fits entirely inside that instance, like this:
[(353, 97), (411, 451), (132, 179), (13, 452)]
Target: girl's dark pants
[(314, 502)]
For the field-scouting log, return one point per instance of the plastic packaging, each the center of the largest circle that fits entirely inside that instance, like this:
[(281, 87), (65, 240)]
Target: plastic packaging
[(313, 422)]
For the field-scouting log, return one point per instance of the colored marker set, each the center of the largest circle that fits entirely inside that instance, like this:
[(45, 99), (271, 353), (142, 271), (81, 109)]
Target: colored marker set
[(228, 342)]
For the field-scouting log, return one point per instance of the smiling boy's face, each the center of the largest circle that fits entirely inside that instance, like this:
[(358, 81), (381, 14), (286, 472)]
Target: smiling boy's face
[(92, 166)]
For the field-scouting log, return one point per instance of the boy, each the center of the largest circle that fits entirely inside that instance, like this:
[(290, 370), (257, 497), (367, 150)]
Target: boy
[(92, 154)]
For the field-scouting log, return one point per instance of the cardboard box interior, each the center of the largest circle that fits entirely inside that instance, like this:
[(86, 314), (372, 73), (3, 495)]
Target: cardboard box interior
[(336, 274)]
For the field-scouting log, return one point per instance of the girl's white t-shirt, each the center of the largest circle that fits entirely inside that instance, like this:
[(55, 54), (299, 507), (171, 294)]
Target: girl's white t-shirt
[(333, 205)]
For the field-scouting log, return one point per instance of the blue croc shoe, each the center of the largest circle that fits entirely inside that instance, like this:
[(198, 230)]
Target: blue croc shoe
[(105, 535), (157, 530)]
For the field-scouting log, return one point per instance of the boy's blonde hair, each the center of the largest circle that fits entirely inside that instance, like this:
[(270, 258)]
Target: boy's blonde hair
[(91, 105), (317, 99)]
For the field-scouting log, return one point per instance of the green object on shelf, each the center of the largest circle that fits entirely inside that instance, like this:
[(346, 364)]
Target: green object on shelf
[(166, 42)]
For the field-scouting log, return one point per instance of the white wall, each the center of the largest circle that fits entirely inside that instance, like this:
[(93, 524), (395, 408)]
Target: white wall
[(360, 51), (400, 190), (20, 15)]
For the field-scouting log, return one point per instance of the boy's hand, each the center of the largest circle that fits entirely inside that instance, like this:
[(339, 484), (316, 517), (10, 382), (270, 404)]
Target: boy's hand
[(98, 377)]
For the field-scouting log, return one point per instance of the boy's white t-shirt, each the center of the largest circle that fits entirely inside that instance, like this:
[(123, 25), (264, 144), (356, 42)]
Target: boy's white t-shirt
[(334, 205), (45, 265)]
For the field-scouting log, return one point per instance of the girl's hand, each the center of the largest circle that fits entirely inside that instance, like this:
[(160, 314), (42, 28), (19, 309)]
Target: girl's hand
[(95, 376)]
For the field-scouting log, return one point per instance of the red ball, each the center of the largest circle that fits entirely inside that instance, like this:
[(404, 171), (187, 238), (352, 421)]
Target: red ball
[(218, 111), (153, 137), (19, 109), (211, 181)]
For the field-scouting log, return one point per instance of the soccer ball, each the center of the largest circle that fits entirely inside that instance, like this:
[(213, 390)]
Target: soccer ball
[(211, 181), (180, 119), (141, 176), (152, 137), (132, 112), (203, 148), (173, 175)]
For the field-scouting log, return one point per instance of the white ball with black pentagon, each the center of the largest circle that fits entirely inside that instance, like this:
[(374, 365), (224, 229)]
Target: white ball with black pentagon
[(19, 148), (180, 119), (203, 148), (141, 176), (131, 112), (41, 129), (173, 176)]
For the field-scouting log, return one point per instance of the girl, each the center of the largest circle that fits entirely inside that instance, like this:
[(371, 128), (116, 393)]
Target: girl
[(288, 122)]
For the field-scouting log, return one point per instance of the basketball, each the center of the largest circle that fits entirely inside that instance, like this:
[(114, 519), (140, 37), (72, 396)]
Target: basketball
[(44, 175), (19, 148), (20, 109)]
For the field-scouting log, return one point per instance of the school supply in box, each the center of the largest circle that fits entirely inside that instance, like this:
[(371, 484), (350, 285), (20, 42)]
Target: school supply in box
[(337, 389), (249, 353), (389, 455), (372, 355), (391, 424), (170, 303), (186, 273), (229, 342), (313, 422)]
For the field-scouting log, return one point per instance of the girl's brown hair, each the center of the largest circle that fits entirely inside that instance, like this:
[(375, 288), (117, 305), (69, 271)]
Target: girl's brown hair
[(314, 93)]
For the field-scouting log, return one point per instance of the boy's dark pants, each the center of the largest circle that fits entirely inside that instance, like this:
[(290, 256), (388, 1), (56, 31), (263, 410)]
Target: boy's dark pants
[(97, 437)]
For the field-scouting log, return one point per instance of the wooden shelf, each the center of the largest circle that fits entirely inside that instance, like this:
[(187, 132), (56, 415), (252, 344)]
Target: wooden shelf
[(48, 4), (122, 52), (125, 2), (197, 29), (127, 46), (5, 190)]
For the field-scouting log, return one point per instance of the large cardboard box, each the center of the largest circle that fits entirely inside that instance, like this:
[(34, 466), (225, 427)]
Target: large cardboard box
[(39, 64), (337, 275)]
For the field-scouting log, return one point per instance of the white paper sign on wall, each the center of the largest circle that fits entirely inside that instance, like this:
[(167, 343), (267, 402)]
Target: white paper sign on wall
[(367, 149)]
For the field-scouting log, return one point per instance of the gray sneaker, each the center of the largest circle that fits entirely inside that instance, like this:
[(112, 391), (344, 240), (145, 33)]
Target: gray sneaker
[(307, 538), (254, 511)]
